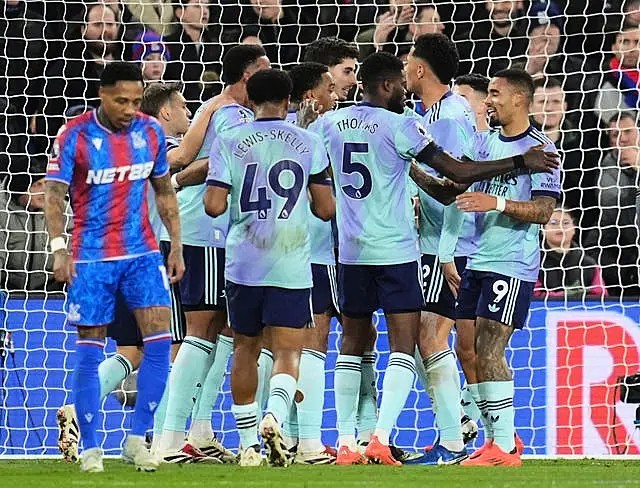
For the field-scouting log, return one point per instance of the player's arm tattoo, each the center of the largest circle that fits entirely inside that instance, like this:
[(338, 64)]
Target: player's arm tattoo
[(54, 194), (167, 204), (444, 191), (537, 210), (194, 174)]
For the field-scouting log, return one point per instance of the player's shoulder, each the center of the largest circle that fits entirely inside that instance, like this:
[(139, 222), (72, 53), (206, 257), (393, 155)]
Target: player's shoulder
[(143, 120), (76, 124), (457, 108), (537, 137), (233, 112)]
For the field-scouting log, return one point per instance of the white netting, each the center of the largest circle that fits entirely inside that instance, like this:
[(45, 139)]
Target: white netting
[(577, 342)]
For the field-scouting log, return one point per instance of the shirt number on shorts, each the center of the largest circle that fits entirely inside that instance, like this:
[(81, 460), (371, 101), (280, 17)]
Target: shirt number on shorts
[(290, 190), (349, 167), (500, 288)]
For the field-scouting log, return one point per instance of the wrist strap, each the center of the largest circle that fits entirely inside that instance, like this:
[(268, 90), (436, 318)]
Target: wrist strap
[(174, 181), (501, 204), (57, 244), (518, 161)]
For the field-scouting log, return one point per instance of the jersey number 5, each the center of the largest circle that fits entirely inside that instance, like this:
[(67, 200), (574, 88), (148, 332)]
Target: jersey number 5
[(263, 204), (349, 166)]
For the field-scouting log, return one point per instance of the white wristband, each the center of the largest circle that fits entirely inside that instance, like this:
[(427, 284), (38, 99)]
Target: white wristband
[(174, 181), (57, 244), (501, 204)]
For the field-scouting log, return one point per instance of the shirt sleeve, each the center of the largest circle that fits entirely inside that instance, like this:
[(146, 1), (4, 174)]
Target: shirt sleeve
[(62, 159), (452, 221), (320, 160), (219, 173), (546, 184), (161, 166), (410, 136)]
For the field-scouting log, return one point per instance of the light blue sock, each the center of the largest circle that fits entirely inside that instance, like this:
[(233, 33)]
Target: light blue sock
[(265, 366), (468, 402), (111, 372), (499, 397), (422, 373), (445, 394), (481, 402), (311, 382), (152, 379), (186, 373), (86, 388), (367, 417), (215, 378), (397, 383), (245, 416), (290, 426), (347, 381), (282, 390), (161, 411), (207, 367)]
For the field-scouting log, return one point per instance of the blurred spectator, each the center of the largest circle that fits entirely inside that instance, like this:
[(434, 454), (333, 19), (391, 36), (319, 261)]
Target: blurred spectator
[(74, 79), (343, 18), (565, 268), (195, 52), (398, 26), (614, 242), (631, 13), (579, 149), (589, 25), (25, 261), (155, 15), (621, 76), (474, 88), (152, 54), (13, 141), (283, 29), (493, 42)]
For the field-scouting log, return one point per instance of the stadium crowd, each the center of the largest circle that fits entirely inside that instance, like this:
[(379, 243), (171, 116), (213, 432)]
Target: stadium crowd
[(584, 56)]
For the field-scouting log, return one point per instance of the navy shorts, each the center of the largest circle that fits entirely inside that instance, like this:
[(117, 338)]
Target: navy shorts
[(324, 294), (141, 281), (494, 296), (251, 308), (437, 294), (395, 288), (202, 286)]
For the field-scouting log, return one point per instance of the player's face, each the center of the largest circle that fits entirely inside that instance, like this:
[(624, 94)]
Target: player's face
[(499, 102), (560, 229), (476, 99), (344, 76), (261, 63), (412, 69), (121, 101), (153, 67), (397, 94), (548, 107), (325, 93), (179, 114)]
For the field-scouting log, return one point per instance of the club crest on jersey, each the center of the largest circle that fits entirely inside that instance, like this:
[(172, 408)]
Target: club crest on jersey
[(138, 140), (74, 312), (130, 172)]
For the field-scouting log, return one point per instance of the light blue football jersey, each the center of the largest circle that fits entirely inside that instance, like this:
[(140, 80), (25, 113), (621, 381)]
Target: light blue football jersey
[(371, 149), (451, 123), (267, 164), (506, 245), (154, 216), (198, 229)]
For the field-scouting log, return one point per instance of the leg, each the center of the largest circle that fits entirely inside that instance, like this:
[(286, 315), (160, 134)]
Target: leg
[(265, 366), (367, 417), (466, 352)]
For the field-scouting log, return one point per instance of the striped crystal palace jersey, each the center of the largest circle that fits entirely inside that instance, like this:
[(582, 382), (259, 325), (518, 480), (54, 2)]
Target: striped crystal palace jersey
[(371, 149), (505, 245), (451, 123), (107, 174)]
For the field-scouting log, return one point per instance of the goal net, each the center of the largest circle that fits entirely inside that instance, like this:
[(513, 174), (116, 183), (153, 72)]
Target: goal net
[(582, 334)]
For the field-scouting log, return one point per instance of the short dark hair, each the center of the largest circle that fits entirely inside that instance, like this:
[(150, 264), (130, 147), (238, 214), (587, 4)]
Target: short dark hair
[(269, 85), (238, 59), (305, 76), (88, 7), (156, 95), (624, 115), (330, 51), (440, 53), (120, 71), (476, 81), (548, 82), (518, 78), (377, 68)]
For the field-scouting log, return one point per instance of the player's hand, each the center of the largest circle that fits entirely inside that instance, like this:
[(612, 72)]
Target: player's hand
[(538, 160), (175, 264), (64, 270), (476, 201), (308, 111), (450, 273)]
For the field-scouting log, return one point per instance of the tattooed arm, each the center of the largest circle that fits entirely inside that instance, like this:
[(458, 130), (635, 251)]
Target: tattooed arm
[(54, 206), (441, 189), (191, 143), (538, 210), (193, 174)]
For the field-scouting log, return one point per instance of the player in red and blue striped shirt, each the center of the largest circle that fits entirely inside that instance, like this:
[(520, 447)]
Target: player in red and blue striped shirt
[(106, 159)]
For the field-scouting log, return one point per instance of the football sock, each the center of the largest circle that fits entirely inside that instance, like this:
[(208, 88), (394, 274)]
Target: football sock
[(445, 394), (468, 402), (158, 417), (265, 366), (347, 389), (86, 388), (367, 416), (499, 398), (290, 427), (245, 416), (281, 394), (311, 382), (478, 396), (397, 383), (152, 379), (111, 372)]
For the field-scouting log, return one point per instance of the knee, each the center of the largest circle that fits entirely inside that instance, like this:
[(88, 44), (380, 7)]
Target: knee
[(466, 352)]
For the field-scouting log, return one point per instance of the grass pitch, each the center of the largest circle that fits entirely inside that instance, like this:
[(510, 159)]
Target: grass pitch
[(533, 473)]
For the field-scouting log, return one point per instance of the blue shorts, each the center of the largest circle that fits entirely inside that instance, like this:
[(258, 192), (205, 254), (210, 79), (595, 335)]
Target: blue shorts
[(141, 281), (324, 294), (363, 289), (202, 286), (437, 294), (251, 308), (495, 297)]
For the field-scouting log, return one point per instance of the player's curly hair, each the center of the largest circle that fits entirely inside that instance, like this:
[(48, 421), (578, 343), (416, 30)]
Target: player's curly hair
[(238, 59), (440, 53), (476, 81), (305, 77), (379, 67), (330, 51), (269, 85), (120, 71)]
